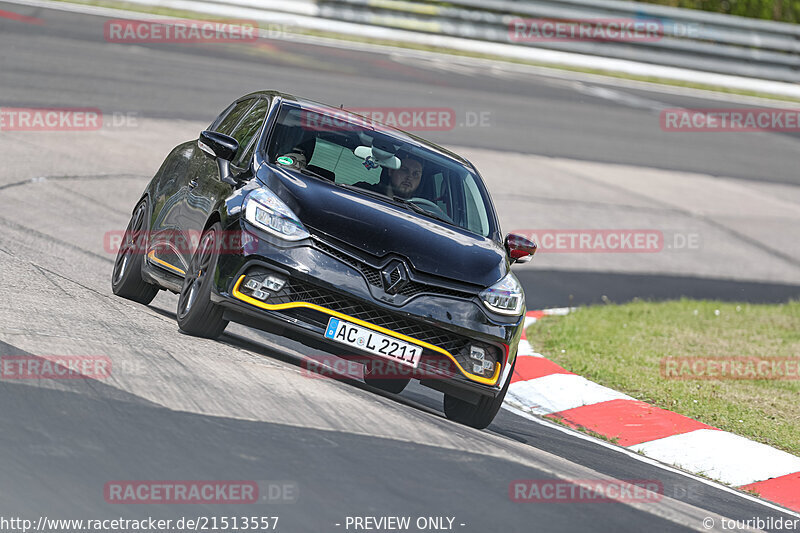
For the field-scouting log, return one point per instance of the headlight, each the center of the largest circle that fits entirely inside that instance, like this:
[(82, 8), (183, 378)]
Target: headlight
[(505, 296), (266, 211)]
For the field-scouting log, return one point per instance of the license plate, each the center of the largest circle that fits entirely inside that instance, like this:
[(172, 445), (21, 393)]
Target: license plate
[(373, 342)]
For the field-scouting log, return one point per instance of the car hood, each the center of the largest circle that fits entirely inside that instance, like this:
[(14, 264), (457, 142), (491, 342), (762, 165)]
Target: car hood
[(379, 228)]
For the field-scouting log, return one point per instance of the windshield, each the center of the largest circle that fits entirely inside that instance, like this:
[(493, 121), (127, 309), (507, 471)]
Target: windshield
[(358, 155)]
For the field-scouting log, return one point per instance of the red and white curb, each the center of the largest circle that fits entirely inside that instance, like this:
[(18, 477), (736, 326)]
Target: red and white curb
[(541, 387)]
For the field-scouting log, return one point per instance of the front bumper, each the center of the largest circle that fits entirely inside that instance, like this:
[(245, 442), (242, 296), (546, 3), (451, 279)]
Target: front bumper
[(321, 284)]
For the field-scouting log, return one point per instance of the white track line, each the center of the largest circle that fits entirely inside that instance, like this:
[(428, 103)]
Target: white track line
[(649, 461), (277, 17), (722, 455), (558, 392)]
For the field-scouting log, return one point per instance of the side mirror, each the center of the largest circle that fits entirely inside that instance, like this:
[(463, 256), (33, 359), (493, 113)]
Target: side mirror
[(221, 147), (519, 249)]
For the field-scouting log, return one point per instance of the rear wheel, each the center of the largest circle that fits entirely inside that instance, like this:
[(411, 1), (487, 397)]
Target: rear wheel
[(126, 279), (197, 314), (477, 415)]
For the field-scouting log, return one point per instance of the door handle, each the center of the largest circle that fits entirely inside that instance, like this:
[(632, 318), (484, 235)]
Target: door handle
[(192, 184)]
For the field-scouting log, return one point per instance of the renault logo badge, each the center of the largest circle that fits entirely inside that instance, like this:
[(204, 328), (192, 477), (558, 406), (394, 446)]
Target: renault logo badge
[(394, 277)]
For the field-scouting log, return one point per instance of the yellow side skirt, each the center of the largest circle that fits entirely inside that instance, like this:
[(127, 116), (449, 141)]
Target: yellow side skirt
[(152, 257)]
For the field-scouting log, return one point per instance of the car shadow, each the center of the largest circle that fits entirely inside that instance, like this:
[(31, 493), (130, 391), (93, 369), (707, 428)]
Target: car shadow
[(307, 357)]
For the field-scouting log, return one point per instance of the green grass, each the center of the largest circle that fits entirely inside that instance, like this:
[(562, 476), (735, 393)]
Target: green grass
[(621, 347), (164, 11)]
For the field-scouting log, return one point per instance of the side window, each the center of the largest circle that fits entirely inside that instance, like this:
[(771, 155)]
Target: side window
[(213, 126), (477, 220), (246, 132), (442, 196), (232, 118)]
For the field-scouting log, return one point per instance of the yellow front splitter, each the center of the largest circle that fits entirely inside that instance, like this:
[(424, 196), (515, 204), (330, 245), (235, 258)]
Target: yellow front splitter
[(294, 305)]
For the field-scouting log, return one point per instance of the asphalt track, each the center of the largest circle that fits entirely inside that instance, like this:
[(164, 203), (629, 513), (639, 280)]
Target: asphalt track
[(178, 408), (753, 258)]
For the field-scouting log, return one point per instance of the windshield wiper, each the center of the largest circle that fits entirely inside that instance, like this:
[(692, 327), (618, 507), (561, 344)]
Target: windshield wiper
[(421, 210), (304, 170), (363, 191), (398, 200)]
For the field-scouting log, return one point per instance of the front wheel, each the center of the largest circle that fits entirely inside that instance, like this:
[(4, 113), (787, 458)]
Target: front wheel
[(197, 314), (477, 415)]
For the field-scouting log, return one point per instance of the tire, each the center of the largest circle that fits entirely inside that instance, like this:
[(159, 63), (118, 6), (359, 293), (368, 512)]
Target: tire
[(477, 415), (197, 315), (126, 278), (392, 385)]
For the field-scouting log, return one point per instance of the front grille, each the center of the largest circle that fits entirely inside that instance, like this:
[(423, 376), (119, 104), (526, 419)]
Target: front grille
[(412, 288), (300, 291), (303, 292), (373, 276)]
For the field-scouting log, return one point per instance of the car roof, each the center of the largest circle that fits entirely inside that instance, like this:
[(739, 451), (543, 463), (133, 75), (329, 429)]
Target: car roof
[(404, 136)]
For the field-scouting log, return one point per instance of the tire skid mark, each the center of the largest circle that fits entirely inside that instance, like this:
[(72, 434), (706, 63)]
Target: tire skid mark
[(49, 279), (95, 203), (49, 238), (87, 177)]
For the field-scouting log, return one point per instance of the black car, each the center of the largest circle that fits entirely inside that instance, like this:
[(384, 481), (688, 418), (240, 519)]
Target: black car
[(305, 220)]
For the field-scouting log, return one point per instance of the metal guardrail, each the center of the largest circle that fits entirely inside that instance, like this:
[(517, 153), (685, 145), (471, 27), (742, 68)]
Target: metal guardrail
[(687, 38)]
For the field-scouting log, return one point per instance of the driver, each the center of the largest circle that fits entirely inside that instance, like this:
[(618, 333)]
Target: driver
[(404, 181)]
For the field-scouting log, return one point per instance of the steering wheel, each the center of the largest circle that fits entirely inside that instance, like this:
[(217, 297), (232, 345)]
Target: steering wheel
[(430, 206)]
